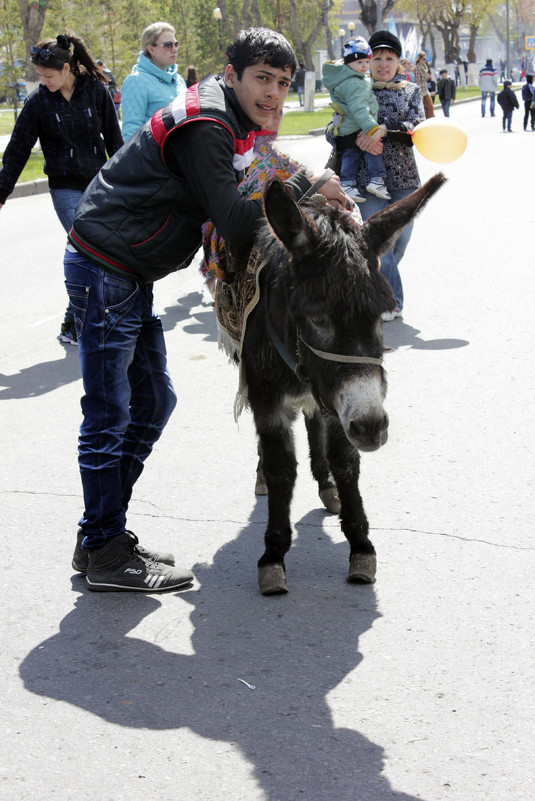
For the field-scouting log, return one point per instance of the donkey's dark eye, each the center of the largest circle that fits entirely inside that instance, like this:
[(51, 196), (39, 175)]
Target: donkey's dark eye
[(320, 322)]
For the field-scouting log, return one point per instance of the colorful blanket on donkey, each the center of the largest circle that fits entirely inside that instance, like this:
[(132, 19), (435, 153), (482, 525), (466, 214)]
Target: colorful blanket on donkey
[(236, 294), (268, 164)]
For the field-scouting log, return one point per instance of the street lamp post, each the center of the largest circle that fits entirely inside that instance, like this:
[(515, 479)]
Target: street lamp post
[(507, 65), (218, 16), (341, 34), (351, 28)]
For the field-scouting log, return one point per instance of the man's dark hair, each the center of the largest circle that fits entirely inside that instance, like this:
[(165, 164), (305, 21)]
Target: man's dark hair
[(256, 45)]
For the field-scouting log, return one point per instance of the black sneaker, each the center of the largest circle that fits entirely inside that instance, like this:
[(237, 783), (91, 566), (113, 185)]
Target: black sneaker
[(117, 567), (68, 333), (80, 557)]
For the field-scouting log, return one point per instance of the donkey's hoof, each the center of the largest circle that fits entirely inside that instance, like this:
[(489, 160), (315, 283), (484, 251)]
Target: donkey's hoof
[(362, 567), (272, 579), (331, 500), (260, 486)]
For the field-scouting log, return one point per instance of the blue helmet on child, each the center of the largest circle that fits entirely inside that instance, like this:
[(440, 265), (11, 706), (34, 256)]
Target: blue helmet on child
[(355, 49)]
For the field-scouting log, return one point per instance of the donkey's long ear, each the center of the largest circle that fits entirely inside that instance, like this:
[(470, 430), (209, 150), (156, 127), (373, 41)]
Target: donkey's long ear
[(286, 219), (382, 229)]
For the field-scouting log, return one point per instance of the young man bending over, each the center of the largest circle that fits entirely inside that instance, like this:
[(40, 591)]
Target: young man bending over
[(139, 220)]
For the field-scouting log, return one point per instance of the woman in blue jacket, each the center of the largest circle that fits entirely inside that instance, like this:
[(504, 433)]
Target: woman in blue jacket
[(154, 80)]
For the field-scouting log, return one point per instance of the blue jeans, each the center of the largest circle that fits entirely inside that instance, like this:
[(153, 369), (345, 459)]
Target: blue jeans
[(128, 393), (492, 96), (65, 202), (390, 261), (507, 119), (350, 162), (301, 95), (446, 107)]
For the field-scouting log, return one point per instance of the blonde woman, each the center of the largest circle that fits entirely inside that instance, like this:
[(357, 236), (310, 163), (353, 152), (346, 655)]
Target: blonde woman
[(154, 80)]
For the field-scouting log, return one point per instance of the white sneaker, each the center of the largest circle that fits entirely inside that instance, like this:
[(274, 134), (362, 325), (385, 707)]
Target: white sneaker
[(353, 193), (377, 187), (387, 317)]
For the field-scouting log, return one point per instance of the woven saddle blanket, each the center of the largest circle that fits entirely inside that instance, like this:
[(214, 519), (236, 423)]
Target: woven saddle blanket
[(233, 304)]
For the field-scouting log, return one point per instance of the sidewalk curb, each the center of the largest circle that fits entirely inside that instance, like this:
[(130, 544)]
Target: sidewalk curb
[(319, 131), (28, 188)]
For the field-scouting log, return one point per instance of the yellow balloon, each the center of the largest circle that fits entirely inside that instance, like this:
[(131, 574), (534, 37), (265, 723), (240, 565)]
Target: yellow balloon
[(439, 139)]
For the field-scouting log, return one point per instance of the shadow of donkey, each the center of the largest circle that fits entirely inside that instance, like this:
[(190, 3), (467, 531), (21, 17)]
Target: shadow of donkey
[(293, 649)]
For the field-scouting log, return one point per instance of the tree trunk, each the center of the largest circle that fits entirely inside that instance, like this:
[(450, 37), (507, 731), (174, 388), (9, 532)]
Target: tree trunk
[(32, 16), (305, 46), (329, 37), (471, 53), (368, 13)]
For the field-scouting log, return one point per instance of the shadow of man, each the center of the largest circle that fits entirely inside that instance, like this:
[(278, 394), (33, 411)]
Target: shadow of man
[(293, 649), (30, 382)]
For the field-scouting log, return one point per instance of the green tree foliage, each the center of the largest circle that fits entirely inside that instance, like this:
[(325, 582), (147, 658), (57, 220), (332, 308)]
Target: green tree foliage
[(445, 17), (111, 29), (11, 48)]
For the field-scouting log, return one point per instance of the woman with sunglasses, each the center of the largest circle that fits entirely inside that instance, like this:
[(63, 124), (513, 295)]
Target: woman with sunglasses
[(154, 80), (73, 116)]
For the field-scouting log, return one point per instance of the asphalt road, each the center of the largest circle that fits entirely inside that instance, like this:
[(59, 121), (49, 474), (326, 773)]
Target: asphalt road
[(417, 687)]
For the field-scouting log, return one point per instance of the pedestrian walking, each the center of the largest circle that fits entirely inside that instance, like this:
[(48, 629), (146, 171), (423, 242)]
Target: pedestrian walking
[(508, 102), (154, 80), (431, 87), (300, 83), (140, 220), (488, 83), (528, 97), (72, 115), (446, 91), (421, 71)]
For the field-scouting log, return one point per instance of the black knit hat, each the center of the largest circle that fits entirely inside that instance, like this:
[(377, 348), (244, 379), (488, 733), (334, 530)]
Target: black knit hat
[(385, 39)]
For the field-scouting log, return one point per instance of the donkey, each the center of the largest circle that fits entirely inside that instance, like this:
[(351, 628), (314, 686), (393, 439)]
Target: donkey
[(314, 341)]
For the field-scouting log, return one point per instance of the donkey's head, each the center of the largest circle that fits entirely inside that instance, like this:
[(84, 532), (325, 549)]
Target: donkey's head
[(335, 295)]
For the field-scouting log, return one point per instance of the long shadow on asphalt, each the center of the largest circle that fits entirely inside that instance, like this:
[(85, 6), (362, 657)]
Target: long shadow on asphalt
[(399, 334), (38, 379), (195, 308), (293, 649)]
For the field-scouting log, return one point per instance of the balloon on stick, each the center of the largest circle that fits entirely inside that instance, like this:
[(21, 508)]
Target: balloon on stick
[(440, 139)]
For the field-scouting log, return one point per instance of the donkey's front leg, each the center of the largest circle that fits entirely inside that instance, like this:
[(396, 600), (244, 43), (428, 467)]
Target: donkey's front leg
[(316, 431), (280, 470), (344, 461)]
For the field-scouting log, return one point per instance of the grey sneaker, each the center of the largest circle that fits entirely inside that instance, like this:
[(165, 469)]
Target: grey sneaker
[(378, 188), (353, 193), (116, 567), (80, 557)]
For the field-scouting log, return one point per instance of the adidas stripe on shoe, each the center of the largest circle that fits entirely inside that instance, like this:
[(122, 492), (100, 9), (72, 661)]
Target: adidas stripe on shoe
[(117, 567)]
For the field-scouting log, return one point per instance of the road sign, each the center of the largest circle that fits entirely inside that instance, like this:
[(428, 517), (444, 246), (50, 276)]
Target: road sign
[(530, 43)]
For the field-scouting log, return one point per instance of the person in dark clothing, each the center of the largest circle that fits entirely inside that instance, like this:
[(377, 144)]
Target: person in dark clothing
[(72, 115), (191, 76), (139, 220), (508, 102), (300, 83), (528, 96), (431, 86), (446, 91), (109, 80)]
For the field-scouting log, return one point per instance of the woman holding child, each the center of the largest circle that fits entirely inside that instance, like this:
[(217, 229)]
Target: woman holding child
[(400, 110)]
